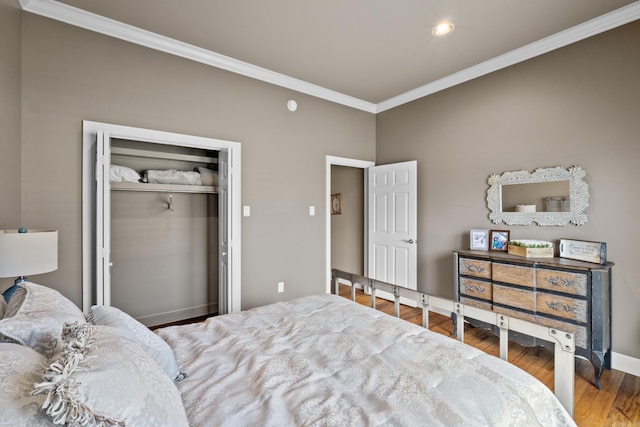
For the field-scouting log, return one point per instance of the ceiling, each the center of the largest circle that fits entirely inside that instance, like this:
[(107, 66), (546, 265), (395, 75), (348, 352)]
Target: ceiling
[(369, 54)]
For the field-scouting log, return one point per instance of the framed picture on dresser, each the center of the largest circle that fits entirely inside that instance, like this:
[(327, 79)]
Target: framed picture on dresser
[(479, 240), (499, 240)]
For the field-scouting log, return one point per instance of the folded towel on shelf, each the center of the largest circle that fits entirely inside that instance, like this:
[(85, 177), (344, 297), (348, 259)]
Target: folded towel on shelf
[(123, 174), (172, 176), (208, 176)]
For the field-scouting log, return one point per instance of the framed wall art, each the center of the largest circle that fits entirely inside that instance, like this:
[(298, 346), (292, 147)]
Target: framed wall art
[(336, 204), (499, 240)]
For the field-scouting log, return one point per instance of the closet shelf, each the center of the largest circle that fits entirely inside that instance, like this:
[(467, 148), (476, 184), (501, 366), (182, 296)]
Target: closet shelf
[(164, 188), (162, 155)]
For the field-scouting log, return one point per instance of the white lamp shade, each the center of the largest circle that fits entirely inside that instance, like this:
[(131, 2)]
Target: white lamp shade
[(34, 252)]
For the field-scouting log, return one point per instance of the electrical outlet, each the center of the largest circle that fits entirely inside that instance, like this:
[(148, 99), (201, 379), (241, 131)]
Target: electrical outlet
[(280, 287)]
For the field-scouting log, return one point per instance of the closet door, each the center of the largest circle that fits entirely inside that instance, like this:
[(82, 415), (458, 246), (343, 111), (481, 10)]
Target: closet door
[(223, 231), (103, 219)]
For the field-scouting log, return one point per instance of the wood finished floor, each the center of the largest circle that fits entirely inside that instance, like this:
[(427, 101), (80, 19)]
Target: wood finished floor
[(617, 404)]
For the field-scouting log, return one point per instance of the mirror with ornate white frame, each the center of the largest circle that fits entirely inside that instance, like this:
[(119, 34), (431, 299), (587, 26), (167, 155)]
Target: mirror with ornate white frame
[(558, 209)]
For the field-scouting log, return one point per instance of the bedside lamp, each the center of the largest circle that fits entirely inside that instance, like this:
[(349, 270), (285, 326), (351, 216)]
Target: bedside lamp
[(25, 252)]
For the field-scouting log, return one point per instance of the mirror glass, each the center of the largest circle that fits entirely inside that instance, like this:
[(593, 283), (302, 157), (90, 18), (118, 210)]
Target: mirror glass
[(547, 196), (536, 197)]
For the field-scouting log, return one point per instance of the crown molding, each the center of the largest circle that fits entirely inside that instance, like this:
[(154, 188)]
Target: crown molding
[(92, 22), (598, 25), (99, 24)]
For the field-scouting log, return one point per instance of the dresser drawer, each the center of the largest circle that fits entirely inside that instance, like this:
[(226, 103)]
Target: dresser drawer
[(516, 274), (475, 267), (476, 288), (514, 313), (568, 308), (579, 332), (562, 281), (486, 305), (514, 297)]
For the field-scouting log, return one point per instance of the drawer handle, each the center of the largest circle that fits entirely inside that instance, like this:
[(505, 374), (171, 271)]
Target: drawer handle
[(474, 268), (561, 306), (560, 281), (475, 288)]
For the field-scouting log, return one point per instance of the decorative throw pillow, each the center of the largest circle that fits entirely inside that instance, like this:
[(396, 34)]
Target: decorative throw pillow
[(150, 342), (35, 316), (20, 368), (104, 379)]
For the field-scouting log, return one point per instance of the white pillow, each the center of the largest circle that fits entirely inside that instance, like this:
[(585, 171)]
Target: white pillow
[(129, 327), (104, 379), (35, 315), (123, 174), (20, 368)]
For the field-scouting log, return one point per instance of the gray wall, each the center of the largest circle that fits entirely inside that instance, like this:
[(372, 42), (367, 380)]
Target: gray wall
[(347, 229), (575, 106), (578, 105), (10, 182), (157, 251), (70, 75)]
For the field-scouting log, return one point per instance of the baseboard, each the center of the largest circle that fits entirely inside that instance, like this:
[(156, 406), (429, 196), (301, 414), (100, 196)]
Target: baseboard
[(624, 363), (342, 281), (180, 314)]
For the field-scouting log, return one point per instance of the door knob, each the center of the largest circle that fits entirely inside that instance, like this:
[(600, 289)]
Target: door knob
[(410, 241)]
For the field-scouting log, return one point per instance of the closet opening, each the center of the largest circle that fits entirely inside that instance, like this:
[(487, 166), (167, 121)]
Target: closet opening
[(161, 223), (164, 235)]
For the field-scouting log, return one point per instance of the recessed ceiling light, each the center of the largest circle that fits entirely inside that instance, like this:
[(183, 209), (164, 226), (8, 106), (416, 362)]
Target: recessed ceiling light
[(442, 29)]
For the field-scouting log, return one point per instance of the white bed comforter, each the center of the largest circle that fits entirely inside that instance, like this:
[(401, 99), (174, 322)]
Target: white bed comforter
[(326, 361)]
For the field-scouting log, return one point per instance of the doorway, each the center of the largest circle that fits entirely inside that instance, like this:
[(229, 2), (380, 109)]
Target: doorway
[(389, 220), (362, 165), (347, 219)]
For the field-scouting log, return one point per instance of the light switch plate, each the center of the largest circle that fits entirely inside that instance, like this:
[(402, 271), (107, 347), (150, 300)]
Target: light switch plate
[(246, 211)]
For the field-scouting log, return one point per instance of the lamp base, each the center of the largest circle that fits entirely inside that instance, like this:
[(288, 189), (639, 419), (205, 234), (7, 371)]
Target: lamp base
[(9, 292)]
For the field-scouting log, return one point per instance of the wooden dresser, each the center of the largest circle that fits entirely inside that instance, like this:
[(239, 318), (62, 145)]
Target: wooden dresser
[(570, 295)]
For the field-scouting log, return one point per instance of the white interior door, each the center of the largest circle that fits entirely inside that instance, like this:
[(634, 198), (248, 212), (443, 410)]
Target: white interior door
[(392, 249)]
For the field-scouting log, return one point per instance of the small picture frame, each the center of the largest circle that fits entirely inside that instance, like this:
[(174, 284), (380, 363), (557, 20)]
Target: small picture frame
[(336, 204), (479, 240), (499, 240)]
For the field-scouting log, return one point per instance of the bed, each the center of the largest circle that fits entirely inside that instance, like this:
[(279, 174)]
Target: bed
[(318, 360)]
